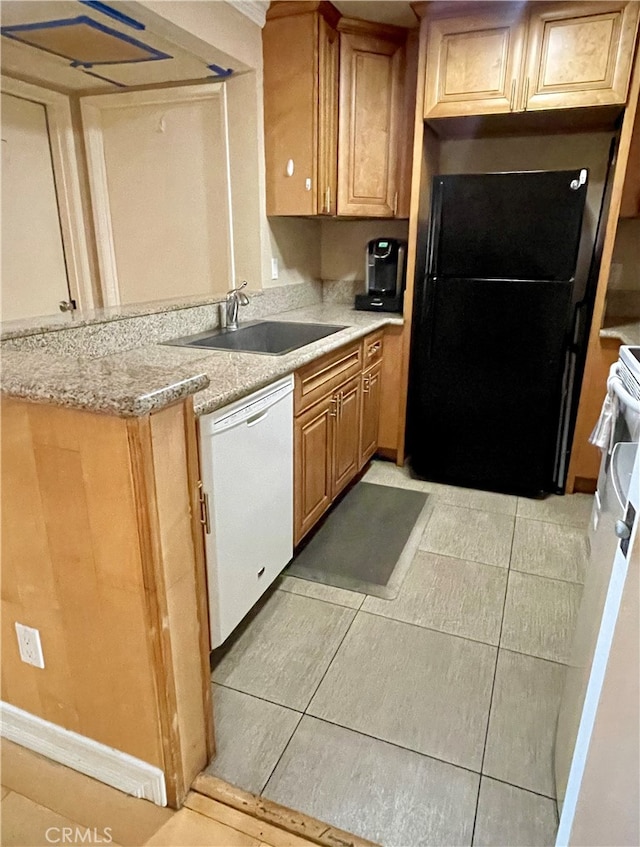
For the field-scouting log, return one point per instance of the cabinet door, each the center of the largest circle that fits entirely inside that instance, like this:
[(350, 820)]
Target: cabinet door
[(371, 384), (473, 64), (312, 465), (328, 54), (290, 113), (371, 73), (346, 443), (579, 54)]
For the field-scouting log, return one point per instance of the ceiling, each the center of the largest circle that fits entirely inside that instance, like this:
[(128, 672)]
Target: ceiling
[(80, 45), (89, 46), (396, 12)]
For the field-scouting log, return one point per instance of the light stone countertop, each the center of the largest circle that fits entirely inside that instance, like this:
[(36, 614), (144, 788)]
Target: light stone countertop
[(626, 330), (145, 379)]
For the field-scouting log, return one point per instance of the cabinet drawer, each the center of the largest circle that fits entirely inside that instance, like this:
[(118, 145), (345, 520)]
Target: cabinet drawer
[(318, 379), (373, 349)]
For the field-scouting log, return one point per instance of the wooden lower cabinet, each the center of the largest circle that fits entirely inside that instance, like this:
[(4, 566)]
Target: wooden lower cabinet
[(313, 447), (369, 424), (334, 437), (346, 441)]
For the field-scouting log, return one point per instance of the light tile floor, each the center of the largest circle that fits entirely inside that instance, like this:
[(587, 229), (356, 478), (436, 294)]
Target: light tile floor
[(428, 719)]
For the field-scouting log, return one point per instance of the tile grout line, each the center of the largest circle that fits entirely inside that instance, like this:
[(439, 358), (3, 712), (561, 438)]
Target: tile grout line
[(256, 697), (493, 686), (309, 703)]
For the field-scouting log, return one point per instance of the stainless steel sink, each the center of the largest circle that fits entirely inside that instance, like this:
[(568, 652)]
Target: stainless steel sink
[(273, 338)]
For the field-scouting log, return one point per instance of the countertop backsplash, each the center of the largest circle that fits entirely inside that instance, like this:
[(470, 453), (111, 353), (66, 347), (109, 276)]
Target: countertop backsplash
[(104, 332)]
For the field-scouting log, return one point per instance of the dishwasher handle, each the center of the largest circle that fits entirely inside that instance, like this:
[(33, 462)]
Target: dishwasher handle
[(257, 418)]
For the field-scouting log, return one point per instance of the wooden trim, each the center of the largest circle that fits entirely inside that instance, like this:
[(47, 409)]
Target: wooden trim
[(91, 108), (585, 419), (286, 8), (371, 29), (85, 755), (99, 190), (193, 470), (414, 208), (584, 485), (159, 637), (67, 182), (294, 822)]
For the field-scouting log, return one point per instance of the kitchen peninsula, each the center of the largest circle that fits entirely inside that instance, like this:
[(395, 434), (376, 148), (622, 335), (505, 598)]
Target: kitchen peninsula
[(109, 439)]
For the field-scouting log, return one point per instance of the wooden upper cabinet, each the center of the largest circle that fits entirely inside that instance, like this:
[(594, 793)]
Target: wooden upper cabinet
[(300, 51), (517, 58), (370, 119), (473, 63), (336, 120), (579, 54)]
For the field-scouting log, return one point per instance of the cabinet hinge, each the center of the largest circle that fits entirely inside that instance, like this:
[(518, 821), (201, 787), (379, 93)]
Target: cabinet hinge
[(203, 499)]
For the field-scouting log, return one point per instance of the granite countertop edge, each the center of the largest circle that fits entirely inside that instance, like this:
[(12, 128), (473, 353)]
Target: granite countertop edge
[(628, 332), (146, 379)]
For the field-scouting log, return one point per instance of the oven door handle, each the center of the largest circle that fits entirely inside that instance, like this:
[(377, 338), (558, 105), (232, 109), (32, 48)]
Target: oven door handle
[(614, 383)]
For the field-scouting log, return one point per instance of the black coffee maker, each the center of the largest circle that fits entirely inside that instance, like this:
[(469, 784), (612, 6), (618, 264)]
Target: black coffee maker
[(386, 269)]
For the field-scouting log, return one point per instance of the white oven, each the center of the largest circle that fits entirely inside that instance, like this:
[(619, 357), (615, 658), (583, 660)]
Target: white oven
[(614, 514)]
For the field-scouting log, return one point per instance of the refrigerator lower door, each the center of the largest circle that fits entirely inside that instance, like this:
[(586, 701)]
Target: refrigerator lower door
[(486, 382)]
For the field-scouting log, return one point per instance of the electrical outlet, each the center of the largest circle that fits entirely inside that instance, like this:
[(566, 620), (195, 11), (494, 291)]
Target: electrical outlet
[(274, 268), (29, 645)]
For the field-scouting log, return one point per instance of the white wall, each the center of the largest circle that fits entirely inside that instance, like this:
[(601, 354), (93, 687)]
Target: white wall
[(344, 242), (294, 242)]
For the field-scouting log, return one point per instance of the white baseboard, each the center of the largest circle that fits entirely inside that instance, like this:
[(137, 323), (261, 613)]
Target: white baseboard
[(128, 774)]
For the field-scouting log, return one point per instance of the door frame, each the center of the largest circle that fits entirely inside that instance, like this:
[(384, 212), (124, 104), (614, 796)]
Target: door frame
[(64, 160), (91, 108)]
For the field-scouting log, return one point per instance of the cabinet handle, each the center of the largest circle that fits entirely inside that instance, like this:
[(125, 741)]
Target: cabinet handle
[(365, 385), (327, 199), (203, 498), (334, 407), (513, 94), (526, 94), (395, 204), (373, 349)]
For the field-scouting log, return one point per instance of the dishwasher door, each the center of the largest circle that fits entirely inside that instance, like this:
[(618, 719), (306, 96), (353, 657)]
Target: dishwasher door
[(246, 453)]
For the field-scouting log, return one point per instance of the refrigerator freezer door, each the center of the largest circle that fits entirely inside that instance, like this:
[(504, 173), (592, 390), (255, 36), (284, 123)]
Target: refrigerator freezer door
[(486, 382), (509, 226)]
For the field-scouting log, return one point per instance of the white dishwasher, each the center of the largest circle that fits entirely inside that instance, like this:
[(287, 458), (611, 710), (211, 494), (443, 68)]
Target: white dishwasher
[(246, 456)]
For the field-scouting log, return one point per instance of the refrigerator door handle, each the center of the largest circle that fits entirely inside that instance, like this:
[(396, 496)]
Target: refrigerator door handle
[(427, 316)]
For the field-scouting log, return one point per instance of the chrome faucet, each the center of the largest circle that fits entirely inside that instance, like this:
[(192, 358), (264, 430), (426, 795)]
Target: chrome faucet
[(236, 297)]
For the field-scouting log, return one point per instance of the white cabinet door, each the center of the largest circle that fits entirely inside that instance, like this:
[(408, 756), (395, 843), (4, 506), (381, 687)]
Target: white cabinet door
[(34, 273)]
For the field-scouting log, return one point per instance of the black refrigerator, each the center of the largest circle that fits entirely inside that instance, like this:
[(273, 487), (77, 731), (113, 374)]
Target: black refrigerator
[(493, 317)]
